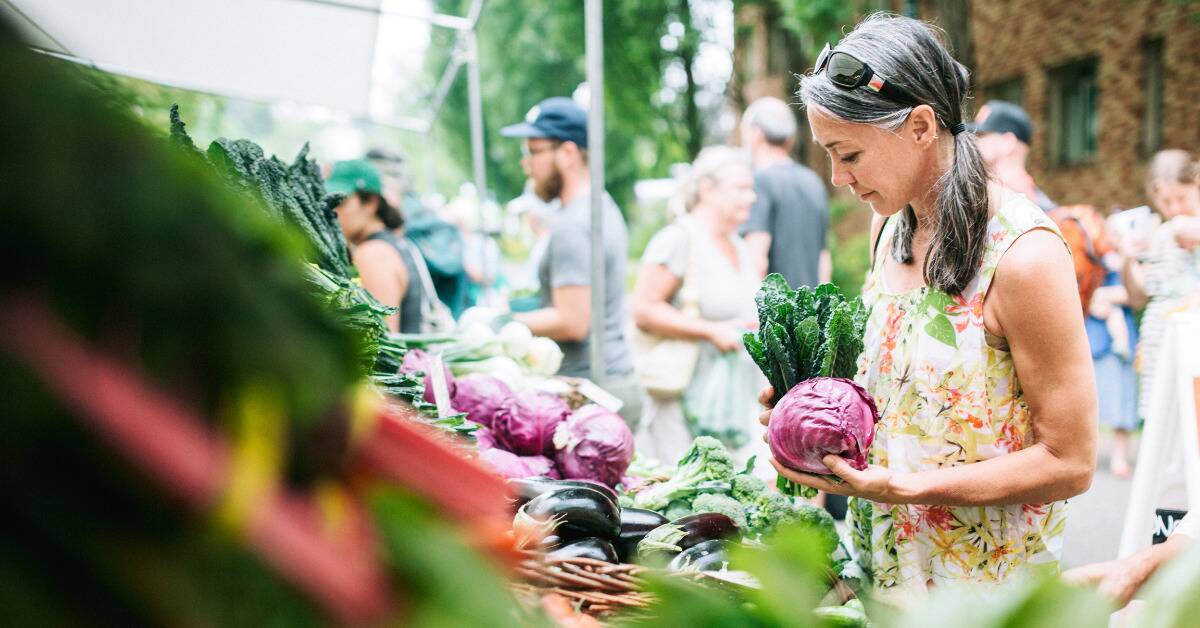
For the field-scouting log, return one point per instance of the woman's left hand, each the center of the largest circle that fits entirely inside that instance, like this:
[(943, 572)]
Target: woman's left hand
[(873, 483)]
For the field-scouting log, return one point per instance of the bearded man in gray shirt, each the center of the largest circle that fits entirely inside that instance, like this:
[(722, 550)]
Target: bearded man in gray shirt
[(787, 228), (555, 160)]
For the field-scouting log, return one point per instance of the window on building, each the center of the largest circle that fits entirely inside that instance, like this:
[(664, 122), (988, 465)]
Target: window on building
[(1152, 77), (1072, 105), (1011, 90)]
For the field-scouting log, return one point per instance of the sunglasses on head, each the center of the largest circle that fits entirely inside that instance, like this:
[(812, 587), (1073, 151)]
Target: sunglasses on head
[(847, 72)]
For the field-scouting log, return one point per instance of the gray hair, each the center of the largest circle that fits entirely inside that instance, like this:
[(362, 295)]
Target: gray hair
[(911, 54), (773, 117), (710, 165)]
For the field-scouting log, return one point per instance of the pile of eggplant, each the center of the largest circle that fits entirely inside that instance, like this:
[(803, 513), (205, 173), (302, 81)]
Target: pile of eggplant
[(580, 518)]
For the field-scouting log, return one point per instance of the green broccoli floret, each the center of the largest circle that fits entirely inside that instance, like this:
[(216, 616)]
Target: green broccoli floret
[(723, 505), (820, 522), (706, 460), (747, 488), (770, 510), (774, 510)]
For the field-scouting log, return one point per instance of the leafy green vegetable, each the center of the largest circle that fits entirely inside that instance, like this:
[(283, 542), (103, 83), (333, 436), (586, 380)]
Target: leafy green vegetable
[(705, 461), (804, 333)]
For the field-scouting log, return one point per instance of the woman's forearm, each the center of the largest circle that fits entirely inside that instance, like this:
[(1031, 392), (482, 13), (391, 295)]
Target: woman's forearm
[(663, 319), (1031, 476), (1131, 277)]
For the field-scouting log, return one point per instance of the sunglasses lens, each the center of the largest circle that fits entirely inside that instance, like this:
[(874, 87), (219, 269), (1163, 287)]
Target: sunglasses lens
[(845, 70)]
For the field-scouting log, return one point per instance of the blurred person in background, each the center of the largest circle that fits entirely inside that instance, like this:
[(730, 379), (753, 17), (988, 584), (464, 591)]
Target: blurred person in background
[(1003, 132), (554, 145), (1109, 321), (786, 230), (1162, 270), (386, 262), (481, 257), (699, 263)]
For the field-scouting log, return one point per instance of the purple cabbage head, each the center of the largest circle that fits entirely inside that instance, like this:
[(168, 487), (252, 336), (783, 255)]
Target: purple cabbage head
[(510, 465), (480, 396), (416, 360), (484, 439), (822, 416), (525, 425), (593, 444)]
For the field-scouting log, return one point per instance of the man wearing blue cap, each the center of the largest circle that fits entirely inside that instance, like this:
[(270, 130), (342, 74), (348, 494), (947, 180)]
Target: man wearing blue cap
[(554, 146)]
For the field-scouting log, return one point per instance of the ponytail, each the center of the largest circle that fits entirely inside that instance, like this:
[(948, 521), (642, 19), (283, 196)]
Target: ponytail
[(955, 251)]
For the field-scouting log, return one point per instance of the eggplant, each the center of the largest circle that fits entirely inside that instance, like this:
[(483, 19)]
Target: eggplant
[(529, 488), (688, 531), (635, 524), (571, 513), (707, 556), (596, 549)]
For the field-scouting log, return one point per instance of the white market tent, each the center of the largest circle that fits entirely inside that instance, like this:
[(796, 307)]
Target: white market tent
[(312, 52)]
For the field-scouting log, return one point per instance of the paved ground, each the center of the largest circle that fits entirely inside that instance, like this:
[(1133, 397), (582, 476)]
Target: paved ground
[(1096, 517)]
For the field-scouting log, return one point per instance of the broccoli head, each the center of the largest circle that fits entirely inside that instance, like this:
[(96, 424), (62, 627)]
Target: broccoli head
[(721, 504), (747, 488), (775, 510), (706, 460), (769, 510)]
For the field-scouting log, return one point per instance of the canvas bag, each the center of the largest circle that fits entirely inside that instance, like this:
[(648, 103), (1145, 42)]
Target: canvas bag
[(664, 366)]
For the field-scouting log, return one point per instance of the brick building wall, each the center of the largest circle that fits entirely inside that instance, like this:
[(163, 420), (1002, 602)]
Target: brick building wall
[(1025, 39)]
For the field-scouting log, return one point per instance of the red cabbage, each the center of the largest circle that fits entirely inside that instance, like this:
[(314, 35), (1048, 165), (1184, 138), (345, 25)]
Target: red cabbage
[(484, 439), (417, 361), (822, 416), (525, 425), (480, 396), (593, 444), (510, 465)]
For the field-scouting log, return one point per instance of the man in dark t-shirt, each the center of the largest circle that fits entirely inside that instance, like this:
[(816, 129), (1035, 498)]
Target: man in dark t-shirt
[(786, 229)]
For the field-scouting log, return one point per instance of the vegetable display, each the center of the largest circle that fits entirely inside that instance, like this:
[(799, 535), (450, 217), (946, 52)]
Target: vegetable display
[(480, 396), (510, 465), (525, 425), (807, 345), (705, 461), (417, 362), (595, 444), (573, 512)]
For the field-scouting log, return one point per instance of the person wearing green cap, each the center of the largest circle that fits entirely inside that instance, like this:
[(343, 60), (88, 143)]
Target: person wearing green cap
[(386, 263)]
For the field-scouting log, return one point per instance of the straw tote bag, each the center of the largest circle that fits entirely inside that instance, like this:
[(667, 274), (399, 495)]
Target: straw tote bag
[(664, 366)]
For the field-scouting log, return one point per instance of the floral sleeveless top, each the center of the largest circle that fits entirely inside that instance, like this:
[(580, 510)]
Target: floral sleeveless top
[(948, 395)]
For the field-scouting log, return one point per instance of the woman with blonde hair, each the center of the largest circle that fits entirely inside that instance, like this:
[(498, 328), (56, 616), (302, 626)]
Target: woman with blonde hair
[(697, 283)]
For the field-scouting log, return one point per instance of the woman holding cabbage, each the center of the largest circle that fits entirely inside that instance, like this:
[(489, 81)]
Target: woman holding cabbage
[(975, 354)]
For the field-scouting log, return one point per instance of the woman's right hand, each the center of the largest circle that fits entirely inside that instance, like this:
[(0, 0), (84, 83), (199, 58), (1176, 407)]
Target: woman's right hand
[(724, 337)]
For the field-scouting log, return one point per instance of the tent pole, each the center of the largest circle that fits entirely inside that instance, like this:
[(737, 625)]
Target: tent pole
[(476, 105), (595, 79)]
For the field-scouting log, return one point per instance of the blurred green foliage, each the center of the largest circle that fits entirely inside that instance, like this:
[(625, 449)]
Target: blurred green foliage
[(527, 55)]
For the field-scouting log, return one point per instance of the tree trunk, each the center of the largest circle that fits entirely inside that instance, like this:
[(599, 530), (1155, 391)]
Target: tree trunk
[(767, 58), (954, 16)]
